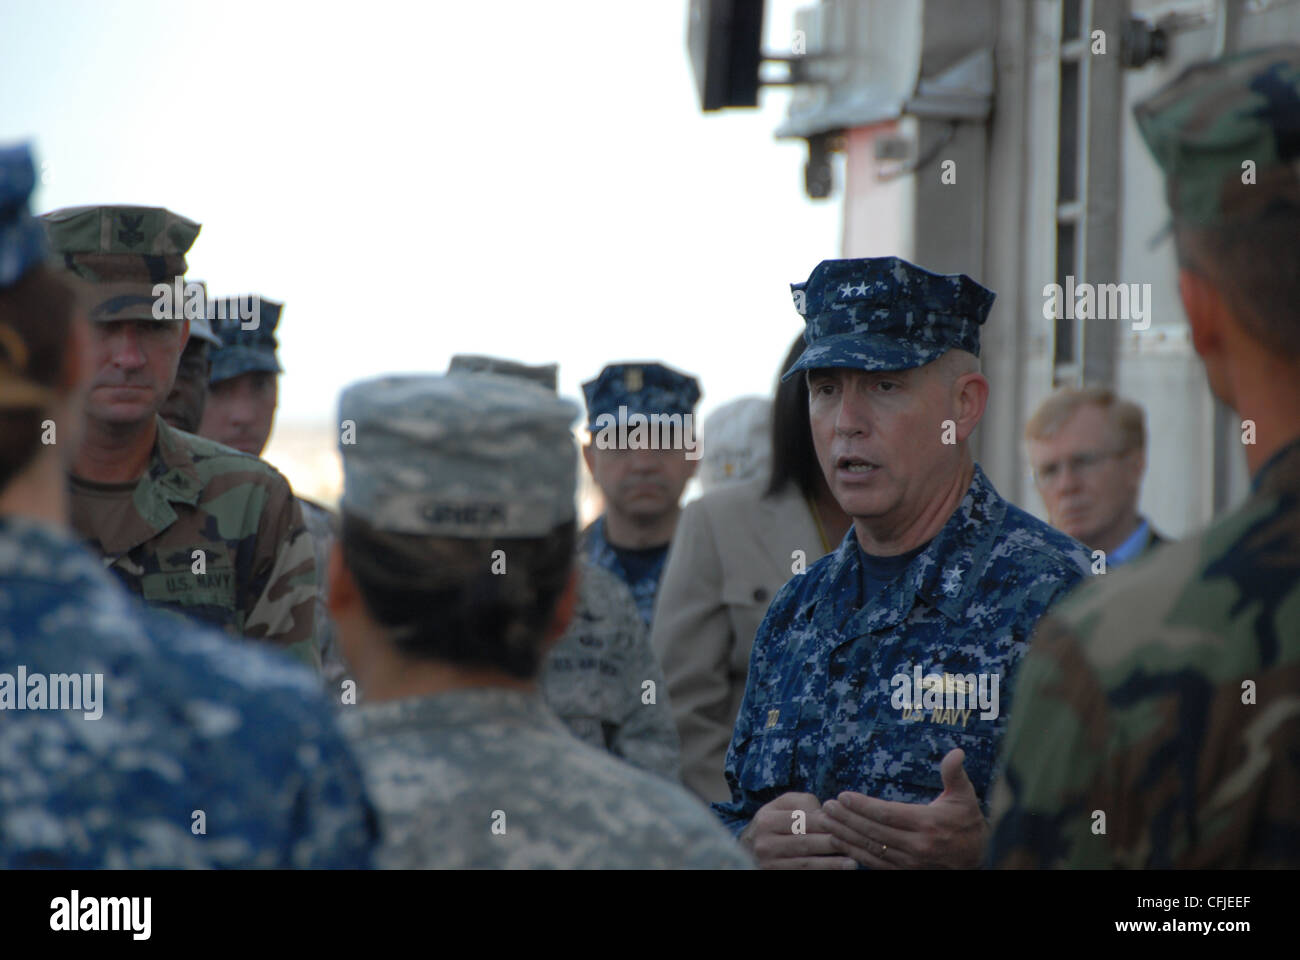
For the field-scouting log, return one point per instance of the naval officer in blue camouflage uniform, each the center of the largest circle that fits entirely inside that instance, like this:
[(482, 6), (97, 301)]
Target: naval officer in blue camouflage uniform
[(640, 474), (881, 678), (130, 739)]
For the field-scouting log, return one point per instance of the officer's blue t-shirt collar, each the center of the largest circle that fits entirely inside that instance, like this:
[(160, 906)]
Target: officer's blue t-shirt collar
[(937, 575), (878, 572)]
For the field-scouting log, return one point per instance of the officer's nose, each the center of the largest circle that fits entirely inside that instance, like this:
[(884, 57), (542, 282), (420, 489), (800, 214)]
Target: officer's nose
[(124, 346), (853, 415)]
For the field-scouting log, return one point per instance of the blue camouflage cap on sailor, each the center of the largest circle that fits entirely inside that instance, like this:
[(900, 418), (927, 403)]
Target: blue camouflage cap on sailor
[(483, 456), (641, 388), (883, 313), (22, 238), (250, 350)]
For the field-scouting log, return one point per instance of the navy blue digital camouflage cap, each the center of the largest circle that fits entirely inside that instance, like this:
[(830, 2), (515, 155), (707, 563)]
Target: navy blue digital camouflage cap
[(22, 238), (246, 326), (641, 388), (883, 313)]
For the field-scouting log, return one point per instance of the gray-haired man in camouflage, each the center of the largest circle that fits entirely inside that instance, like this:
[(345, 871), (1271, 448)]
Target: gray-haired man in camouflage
[(454, 572)]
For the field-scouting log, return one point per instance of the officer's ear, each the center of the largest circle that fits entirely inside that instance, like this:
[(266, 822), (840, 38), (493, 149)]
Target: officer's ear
[(970, 398), (589, 457)]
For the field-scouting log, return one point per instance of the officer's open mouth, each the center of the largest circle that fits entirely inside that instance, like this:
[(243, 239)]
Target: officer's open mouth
[(855, 465)]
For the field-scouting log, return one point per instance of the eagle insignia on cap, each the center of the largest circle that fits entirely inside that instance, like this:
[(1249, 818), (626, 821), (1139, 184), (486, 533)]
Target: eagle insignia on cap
[(131, 234), (633, 379)]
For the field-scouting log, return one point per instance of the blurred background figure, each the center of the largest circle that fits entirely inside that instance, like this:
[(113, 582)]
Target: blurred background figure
[(592, 678), (642, 487), (243, 388), (734, 548), (1088, 451), (183, 408), (243, 391), (736, 444)]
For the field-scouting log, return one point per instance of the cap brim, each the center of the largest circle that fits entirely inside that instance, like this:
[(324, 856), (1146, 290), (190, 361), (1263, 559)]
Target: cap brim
[(865, 352)]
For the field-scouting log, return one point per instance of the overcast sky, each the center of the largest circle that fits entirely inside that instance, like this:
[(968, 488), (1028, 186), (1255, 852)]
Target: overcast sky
[(529, 179)]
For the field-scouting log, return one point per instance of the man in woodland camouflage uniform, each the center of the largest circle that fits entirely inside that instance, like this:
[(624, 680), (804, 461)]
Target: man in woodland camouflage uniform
[(1157, 722), (191, 526)]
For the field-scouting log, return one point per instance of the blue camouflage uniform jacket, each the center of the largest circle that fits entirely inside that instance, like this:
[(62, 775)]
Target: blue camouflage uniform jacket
[(823, 711), (645, 589), (131, 739)]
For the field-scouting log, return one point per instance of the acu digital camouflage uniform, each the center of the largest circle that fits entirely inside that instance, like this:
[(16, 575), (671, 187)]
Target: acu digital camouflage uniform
[(1132, 700), (818, 716), (259, 578), (593, 677), (638, 388), (489, 777), (180, 720), (254, 350)]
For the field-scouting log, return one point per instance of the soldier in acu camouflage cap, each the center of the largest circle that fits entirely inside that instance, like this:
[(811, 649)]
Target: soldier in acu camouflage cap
[(189, 525), (454, 573), (594, 676), (1169, 700), (642, 453), (131, 739), (872, 702)]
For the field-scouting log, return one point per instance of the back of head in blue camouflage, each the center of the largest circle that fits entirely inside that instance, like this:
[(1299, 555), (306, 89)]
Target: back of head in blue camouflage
[(470, 457), (883, 313), (644, 388), (22, 239), (246, 326)]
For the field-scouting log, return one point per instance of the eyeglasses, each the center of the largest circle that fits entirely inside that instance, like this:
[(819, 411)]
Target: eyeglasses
[(1080, 463)]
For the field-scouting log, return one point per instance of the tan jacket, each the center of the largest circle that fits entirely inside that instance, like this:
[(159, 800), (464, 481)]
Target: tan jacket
[(731, 552)]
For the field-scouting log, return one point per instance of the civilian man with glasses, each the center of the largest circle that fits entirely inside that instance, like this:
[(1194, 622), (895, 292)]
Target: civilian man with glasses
[(1088, 450)]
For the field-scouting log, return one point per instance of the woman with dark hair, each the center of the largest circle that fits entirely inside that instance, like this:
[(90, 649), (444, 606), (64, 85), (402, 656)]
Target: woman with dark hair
[(733, 549)]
